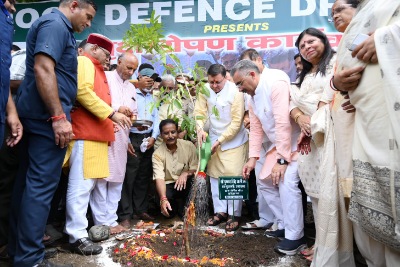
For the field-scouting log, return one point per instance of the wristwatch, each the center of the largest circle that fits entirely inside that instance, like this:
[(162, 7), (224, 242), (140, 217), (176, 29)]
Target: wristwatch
[(282, 162)]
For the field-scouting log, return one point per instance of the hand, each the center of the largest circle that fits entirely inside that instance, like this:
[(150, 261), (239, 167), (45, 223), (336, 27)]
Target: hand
[(366, 51), (215, 147), (347, 80), (248, 167), (278, 173), (131, 150), (304, 144), (201, 137), (62, 132), (16, 130), (165, 206), (145, 82), (125, 110), (304, 122), (182, 134), (347, 106), (180, 184), (151, 140), (122, 120), (116, 128), (246, 121)]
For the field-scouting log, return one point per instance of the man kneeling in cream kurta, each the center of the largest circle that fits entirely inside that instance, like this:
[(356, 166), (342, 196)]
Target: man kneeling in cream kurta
[(174, 163), (228, 137)]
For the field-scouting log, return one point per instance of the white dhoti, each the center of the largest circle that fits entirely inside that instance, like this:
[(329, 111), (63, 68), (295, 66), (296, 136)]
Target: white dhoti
[(104, 202), (78, 195)]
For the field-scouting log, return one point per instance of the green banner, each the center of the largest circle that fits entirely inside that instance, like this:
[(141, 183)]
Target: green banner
[(206, 31)]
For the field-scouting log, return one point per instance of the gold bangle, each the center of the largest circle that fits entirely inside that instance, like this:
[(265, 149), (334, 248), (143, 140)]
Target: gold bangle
[(296, 118)]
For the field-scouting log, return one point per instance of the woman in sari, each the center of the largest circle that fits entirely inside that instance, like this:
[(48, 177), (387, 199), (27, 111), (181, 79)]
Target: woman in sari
[(318, 59), (370, 74), (332, 131)]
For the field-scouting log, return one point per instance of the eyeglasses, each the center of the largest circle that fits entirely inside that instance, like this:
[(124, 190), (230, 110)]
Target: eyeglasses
[(337, 10), (105, 51), (239, 84)]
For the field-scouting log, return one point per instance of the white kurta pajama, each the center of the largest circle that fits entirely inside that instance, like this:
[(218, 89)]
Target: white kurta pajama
[(374, 205), (107, 193), (264, 211), (269, 117), (231, 155)]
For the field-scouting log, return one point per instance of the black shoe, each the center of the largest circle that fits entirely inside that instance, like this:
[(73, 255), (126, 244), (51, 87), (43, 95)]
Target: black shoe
[(85, 246), (50, 253), (290, 247), (46, 263), (280, 233)]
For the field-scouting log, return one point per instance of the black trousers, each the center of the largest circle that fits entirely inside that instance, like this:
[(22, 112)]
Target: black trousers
[(251, 203), (178, 199), (9, 163), (138, 176)]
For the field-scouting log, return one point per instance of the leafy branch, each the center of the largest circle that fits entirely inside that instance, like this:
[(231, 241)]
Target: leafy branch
[(149, 38)]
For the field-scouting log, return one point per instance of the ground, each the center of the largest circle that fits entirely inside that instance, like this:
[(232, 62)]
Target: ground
[(243, 248)]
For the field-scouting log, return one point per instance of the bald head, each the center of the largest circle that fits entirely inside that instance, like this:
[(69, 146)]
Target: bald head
[(127, 65)]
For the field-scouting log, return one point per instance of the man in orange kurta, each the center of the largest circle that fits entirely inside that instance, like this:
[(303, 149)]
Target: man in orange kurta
[(92, 124)]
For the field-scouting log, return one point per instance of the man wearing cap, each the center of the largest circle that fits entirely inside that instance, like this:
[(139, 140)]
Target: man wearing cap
[(87, 155), (44, 101), (139, 169)]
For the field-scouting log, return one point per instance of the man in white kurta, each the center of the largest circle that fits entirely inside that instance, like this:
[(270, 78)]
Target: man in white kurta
[(107, 193), (266, 215), (224, 107), (269, 116)]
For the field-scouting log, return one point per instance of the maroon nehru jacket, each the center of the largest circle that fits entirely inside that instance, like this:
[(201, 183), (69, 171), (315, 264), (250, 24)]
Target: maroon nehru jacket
[(101, 40)]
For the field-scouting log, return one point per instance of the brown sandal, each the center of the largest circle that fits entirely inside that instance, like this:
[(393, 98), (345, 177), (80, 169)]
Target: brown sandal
[(217, 219), (231, 222)]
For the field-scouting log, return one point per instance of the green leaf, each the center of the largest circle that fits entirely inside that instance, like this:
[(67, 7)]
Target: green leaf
[(203, 90), (177, 104), (200, 118), (215, 112)]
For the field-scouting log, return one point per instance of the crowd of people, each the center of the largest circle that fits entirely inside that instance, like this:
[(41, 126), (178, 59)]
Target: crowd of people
[(81, 133)]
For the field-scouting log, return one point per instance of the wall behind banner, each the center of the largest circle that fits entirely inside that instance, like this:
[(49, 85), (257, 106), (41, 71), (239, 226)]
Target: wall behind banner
[(206, 31)]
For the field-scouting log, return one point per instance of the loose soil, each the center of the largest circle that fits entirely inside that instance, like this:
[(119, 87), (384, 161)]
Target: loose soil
[(208, 248)]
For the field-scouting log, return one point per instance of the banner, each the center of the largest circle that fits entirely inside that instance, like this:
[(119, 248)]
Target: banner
[(206, 31)]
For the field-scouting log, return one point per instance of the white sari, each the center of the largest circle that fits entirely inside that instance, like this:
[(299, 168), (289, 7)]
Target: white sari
[(334, 243), (375, 198)]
